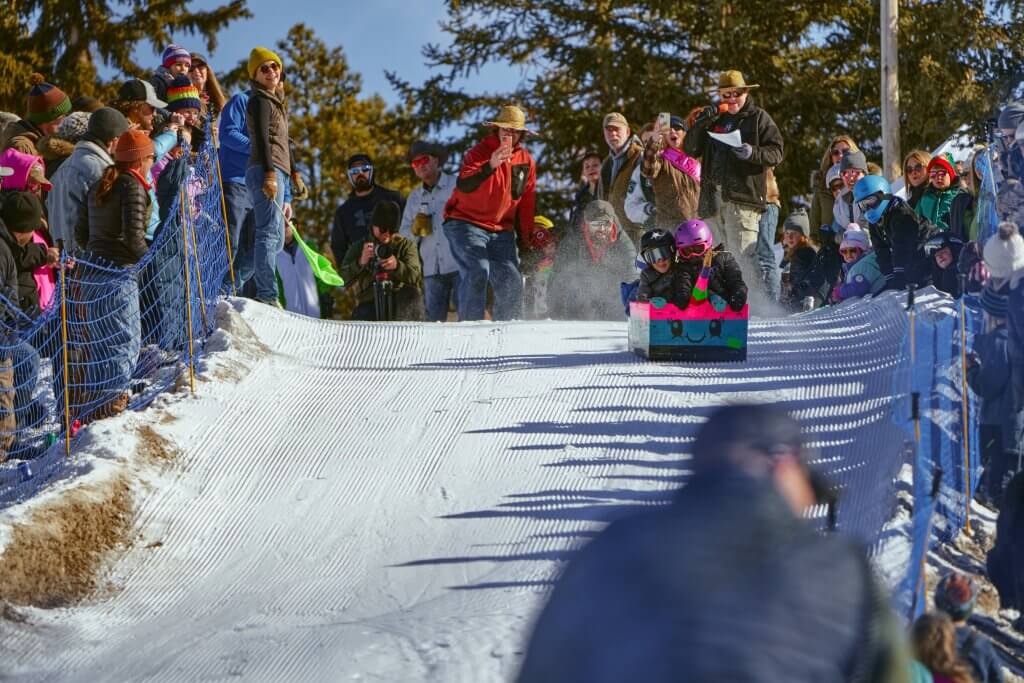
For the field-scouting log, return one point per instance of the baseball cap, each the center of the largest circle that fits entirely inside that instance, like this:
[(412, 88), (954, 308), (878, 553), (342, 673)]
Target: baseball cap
[(137, 90)]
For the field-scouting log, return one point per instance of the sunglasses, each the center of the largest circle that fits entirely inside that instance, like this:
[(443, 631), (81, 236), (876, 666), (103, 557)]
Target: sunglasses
[(851, 172), (652, 256), (420, 161), (938, 172), (731, 95), (839, 152), (599, 226), (850, 251), (693, 250), (916, 168), (365, 169), (268, 67)]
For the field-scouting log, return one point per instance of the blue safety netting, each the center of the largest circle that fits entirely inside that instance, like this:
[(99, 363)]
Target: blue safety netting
[(113, 337)]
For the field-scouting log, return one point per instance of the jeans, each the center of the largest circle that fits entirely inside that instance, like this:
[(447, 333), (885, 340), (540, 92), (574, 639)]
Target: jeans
[(239, 217), (268, 231), (483, 257), (437, 291), (770, 273)]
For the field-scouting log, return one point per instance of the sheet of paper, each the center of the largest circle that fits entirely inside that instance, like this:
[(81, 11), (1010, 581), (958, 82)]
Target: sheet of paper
[(732, 139)]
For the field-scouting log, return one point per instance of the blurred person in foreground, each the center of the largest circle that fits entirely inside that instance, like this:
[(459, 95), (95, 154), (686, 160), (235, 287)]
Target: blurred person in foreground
[(727, 583)]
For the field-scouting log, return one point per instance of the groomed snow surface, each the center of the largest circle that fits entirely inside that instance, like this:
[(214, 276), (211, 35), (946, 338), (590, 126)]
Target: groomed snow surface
[(357, 501)]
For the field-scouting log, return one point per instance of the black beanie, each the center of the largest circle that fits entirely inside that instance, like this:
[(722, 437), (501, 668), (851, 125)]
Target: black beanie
[(107, 123), (386, 216), (357, 158), (22, 212)]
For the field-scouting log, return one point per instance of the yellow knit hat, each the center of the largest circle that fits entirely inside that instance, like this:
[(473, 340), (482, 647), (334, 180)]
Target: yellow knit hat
[(261, 55)]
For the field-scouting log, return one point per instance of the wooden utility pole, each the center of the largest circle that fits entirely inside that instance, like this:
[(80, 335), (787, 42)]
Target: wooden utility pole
[(890, 89)]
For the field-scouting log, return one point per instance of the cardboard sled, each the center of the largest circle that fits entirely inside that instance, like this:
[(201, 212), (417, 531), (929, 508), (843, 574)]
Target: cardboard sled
[(705, 331)]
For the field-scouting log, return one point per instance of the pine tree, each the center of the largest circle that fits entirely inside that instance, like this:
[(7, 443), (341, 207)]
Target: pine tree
[(65, 40), (330, 121)]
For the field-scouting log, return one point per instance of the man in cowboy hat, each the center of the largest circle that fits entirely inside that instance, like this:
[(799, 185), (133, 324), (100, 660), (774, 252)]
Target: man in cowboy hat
[(734, 179), (422, 222), (494, 197)]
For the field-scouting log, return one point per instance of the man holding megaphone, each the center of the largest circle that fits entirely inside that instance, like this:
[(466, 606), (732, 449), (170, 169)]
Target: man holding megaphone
[(737, 143)]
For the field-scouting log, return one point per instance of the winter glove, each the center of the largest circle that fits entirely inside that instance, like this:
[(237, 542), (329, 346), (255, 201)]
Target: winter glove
[(299, 190), (836, 296), (658, 301), (737, 302), (706, 116), (743, 152), (270, 184)]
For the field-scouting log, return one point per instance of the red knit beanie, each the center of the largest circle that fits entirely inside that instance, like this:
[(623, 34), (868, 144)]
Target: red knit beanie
[(46, 102), (946, 162), (134, 145)]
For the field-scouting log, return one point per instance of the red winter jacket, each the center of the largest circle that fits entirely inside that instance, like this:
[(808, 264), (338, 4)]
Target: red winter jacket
[(493, 199)]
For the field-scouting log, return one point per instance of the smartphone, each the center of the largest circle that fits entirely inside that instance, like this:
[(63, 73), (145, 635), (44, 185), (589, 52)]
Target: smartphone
[(664, 120)]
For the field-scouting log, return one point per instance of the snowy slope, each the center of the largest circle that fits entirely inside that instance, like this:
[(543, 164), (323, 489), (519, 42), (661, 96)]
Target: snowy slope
[(389, 502)]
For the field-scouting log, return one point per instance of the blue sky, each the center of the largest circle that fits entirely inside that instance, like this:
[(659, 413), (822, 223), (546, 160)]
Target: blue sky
[(376, 35)]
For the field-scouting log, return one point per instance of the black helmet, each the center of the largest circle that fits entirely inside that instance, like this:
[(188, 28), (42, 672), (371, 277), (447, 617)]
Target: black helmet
[(656, 245)]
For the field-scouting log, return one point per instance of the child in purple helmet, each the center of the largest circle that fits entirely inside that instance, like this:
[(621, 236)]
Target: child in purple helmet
[(693, 240)]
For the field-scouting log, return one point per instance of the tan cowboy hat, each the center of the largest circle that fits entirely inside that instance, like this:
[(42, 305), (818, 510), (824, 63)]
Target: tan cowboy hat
[(732, 80), (511, 117)]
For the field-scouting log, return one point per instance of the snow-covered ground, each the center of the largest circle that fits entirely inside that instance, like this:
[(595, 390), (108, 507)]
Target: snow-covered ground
[(390, 501)]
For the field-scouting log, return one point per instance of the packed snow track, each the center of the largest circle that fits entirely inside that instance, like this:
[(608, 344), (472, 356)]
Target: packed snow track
[(391, 501)]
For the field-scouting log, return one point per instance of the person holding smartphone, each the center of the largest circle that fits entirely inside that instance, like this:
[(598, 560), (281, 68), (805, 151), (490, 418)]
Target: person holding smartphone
[(494, 196)]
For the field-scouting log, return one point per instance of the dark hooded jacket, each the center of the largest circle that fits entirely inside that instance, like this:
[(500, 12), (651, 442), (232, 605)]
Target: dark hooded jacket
[(583, 286), (1005, 562), (726, 278), (724, 584), (9, 283), (25, 259), (740, 181), (898, 240), (674, 286)]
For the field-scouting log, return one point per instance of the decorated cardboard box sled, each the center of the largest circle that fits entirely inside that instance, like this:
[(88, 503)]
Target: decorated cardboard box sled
[(707, 330)]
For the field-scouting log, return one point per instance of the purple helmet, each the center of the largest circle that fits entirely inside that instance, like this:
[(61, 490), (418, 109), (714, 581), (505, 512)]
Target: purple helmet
[(693, 238)]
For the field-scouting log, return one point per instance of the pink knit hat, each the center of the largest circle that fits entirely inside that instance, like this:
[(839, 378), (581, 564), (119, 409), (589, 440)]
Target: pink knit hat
[(25, 167)]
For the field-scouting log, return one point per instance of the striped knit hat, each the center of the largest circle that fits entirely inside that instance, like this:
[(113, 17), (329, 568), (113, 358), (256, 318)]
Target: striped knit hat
[(46, 102), (181, 94), (174, 54)]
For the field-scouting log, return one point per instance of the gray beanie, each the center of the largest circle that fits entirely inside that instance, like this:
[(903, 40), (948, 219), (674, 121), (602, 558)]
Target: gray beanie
[(106, 124), (855, 160), (798, 222), (1012, 115)]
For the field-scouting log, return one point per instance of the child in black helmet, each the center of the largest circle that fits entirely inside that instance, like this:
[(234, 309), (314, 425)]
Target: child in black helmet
[(662, 278)]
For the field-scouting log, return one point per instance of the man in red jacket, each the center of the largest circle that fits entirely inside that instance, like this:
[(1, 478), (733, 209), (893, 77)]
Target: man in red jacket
[(494, 196)]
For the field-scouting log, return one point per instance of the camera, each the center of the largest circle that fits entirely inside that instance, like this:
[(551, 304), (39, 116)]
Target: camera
[(382, 251)]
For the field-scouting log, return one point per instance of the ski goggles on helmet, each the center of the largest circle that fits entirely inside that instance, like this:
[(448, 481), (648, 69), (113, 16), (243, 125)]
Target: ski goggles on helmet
[(940, 242), (693, 250), (869, 203), (652, 256)]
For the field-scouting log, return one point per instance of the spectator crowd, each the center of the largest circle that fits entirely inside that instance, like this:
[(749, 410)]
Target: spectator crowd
[(85, 181)]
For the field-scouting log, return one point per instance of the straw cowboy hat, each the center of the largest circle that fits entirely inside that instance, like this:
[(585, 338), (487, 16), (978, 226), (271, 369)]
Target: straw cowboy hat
[(732, 80), (511, 117)]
